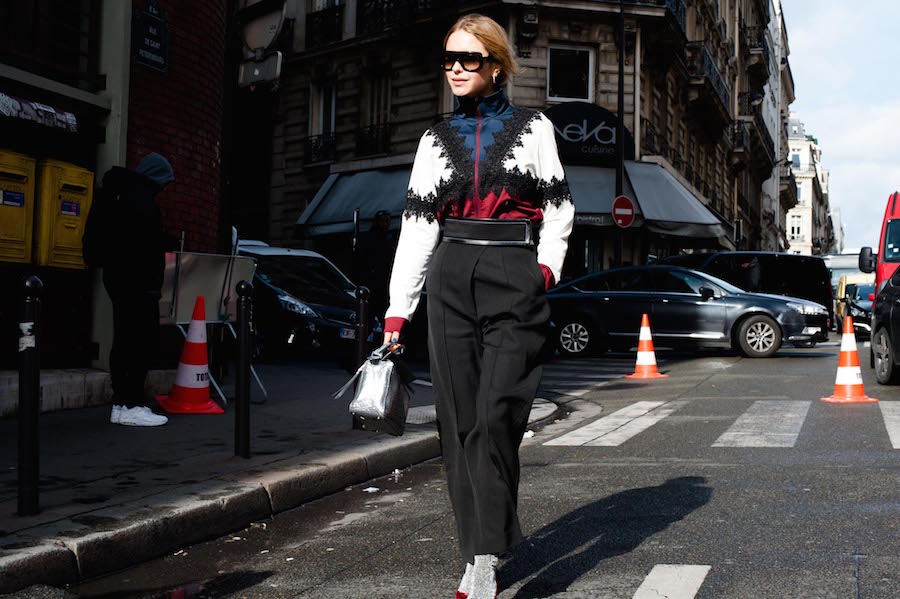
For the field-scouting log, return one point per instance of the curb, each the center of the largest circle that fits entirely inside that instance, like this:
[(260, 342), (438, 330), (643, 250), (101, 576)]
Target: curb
[(118, 537), (114, 538)]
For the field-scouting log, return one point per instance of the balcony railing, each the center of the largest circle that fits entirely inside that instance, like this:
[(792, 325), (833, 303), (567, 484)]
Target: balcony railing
[(375, 139), (701, 64), (758, 41), (58, 40), (325, 26), (378, 16), (747, 107), (320, 148)]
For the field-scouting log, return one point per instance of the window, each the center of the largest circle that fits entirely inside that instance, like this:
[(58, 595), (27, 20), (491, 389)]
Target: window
[(322, 100), (800, 193), (795, 160), (892, 242), (629, 280), (796, 227), (677, 281), (570, 73)]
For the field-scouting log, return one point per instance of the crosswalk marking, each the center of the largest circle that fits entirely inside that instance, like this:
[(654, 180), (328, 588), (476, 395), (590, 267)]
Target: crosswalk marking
[(767, 423), (636, 426), (668, 581), (620, 426), (890, 411)]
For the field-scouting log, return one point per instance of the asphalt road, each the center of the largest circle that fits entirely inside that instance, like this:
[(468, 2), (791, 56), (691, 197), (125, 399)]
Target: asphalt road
[(728, 479)]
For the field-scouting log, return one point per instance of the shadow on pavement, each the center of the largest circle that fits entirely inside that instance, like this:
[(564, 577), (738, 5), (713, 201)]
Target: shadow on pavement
[(575, 544), (217, 587)]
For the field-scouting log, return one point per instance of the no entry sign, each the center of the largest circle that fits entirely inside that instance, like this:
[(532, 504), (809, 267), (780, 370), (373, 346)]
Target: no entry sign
[(623, 211)]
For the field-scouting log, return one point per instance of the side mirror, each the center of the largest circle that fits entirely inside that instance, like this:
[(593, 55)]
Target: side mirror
[(866, 260), (871, 297), (707, 293)]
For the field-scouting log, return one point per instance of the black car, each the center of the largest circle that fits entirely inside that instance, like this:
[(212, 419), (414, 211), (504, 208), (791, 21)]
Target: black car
[(860, 308), (301, 302), (686, 308), (792, 275), (886, 331)]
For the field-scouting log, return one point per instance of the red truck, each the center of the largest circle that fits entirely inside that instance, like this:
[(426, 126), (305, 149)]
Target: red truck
[(888, 257), (884, 263)]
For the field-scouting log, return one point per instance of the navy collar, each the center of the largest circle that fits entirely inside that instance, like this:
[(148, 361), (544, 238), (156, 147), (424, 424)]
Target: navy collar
[(487, 106)]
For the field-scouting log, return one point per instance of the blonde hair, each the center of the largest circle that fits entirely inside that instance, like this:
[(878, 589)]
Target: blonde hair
[(487, 31)]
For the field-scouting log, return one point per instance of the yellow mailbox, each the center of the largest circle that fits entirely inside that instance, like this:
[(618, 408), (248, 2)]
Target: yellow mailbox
[(16, 206), (64, 199)]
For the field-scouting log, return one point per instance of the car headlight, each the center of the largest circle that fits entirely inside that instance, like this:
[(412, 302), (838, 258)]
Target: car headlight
[(292, 304), (807, 309)]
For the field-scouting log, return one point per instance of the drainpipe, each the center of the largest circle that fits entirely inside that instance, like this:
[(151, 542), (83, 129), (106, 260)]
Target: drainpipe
[(637, 93)]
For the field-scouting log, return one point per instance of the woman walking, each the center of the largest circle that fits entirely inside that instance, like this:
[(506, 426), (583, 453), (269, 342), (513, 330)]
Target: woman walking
[(487, 222)]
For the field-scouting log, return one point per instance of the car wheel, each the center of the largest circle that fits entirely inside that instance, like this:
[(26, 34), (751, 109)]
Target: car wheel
[(883, 349), (759, 337), (576, 339)]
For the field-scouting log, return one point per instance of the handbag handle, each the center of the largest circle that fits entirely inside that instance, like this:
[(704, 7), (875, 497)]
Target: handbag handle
[(382, 353)]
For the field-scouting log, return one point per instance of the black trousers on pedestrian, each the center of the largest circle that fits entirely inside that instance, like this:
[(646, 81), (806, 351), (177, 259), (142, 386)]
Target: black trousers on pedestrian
[(487, 319), (135, 339)]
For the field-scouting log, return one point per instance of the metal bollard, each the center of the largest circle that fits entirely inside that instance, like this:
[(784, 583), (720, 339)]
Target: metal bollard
[(362, 325), (29, 398), (242, 373)]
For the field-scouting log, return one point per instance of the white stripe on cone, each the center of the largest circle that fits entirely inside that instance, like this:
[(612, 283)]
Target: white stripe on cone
[(192, 377), (645, 334), (848, 343), (197, 331), (646, 358), (848, 375)]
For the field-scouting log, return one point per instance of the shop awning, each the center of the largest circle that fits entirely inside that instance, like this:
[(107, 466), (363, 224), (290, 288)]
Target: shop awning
[(668, 207), (36, 112), (663, 204), (331, 211), (593, 190)]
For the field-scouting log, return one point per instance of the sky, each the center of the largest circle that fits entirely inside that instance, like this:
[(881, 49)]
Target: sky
[(844, 59)]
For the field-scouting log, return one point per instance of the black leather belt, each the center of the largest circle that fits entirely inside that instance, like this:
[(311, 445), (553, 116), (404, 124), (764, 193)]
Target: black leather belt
[(489, 231)]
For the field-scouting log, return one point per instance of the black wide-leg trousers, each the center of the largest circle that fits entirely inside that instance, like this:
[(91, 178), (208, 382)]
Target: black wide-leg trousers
[(487, 325)]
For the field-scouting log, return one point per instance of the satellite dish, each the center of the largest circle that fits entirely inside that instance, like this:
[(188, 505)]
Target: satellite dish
[(260, 32)]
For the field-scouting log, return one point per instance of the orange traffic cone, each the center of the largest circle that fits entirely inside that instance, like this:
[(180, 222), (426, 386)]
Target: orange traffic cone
[(190, 393), (646, 357), (848, 384)]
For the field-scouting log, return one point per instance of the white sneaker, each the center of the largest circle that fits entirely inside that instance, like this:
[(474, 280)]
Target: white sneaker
[(115, 414), (140, 416)]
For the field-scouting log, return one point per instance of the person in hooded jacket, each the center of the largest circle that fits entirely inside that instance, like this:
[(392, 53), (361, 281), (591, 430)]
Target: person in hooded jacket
[(125, 237)]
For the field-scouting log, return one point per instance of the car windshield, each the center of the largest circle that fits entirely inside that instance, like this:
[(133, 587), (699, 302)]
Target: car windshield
[(300, 275), (863, 291)]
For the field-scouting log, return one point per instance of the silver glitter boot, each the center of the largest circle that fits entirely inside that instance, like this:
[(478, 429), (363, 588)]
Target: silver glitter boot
[(465, 585), (484, 577)]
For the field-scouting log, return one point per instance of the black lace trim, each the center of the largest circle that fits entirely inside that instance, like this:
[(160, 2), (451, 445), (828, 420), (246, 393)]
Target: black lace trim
[(417, 206), (555, 193)]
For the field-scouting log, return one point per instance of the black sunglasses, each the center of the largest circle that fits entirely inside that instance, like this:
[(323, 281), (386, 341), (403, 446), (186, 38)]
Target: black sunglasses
[(469, 61)]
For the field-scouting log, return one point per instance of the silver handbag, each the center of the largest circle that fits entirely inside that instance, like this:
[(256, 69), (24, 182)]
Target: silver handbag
[(381, 401)]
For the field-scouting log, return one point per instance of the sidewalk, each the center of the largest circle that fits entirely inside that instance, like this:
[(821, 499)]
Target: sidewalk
[(114, 496)]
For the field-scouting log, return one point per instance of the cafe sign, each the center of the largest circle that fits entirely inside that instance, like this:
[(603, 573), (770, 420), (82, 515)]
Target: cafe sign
[(151, 37), (586, 134)]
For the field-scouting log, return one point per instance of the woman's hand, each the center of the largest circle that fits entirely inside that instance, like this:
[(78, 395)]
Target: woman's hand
[(391, 337)]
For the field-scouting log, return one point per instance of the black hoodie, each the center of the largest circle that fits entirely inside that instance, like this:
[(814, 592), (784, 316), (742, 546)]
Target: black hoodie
[(135, 240)]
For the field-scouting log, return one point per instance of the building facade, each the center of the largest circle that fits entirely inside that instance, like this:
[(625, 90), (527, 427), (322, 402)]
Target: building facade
[(779, 190), (100, 83), (810, 229), (361, 83)]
